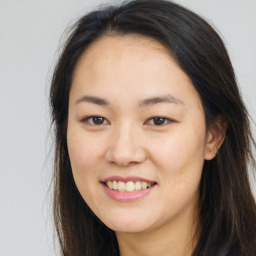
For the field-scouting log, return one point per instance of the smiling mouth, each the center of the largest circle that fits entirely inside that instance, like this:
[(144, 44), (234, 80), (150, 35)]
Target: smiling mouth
[(129, 186)]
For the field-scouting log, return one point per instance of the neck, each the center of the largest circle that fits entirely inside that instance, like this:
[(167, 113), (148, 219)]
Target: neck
[(178, 238)]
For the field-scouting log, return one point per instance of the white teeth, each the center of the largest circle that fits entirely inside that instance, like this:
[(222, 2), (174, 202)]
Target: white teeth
[(138, 185), (129, 186), (144, 185), (110, 184), (121, 186), (114, 183)]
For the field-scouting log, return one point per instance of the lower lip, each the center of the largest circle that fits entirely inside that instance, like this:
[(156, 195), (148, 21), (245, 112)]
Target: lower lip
[(127, 196)]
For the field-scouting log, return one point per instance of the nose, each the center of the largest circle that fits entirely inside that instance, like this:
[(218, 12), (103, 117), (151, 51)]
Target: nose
[(125, 147)]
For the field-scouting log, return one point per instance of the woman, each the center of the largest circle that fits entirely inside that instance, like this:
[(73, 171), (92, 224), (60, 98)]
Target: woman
[(152, 138)]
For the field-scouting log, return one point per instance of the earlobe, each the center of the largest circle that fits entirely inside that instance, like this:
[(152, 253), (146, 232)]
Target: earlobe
[(215, 137)]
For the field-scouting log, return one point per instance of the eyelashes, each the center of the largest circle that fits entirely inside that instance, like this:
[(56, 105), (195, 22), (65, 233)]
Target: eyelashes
[(95, 120), (100, 121), (158, 121)]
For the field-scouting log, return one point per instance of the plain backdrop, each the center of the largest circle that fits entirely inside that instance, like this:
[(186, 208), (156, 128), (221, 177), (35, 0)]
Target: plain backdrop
[(30, 31)]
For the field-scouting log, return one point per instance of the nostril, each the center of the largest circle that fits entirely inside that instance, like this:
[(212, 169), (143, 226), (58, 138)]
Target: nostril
[(125, 156)]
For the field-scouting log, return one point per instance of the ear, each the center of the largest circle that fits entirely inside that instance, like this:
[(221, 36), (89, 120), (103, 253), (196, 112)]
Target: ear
[(215, 137)]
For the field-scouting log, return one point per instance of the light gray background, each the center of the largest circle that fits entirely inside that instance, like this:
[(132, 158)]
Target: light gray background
[(29, 35)]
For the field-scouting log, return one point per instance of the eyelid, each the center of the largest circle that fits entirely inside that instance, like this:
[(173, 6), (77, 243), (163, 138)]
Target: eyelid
[(166, 119), (87, 118)]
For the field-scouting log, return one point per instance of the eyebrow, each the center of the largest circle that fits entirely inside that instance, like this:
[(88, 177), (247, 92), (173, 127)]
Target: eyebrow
[(160, 99), (94, 100), (143, 103)]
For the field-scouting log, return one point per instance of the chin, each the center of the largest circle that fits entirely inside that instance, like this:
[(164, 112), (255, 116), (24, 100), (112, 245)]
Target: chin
[(127, 228), (128, 224)]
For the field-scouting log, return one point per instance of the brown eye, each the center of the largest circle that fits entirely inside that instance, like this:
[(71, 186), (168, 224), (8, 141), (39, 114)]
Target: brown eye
[(98, 120), (159, 120), (95, 120)]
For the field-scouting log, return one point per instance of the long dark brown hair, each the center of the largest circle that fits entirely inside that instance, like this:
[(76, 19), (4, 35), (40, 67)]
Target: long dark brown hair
[(227, 206)]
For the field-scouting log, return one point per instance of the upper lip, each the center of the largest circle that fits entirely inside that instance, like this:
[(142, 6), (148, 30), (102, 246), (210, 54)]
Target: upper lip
[(126, 179)]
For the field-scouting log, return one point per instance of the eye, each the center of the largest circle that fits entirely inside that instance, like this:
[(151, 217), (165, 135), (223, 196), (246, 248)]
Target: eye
[(159, 121), (95, 120)]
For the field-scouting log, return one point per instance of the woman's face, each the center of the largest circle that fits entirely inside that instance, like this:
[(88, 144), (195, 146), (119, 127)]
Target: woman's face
[(136, 135)]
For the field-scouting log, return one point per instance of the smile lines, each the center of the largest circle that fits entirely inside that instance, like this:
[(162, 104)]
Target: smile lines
[(129, 186)]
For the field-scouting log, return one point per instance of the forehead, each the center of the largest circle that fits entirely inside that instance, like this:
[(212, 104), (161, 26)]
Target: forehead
[(122, 50), (130, 65)]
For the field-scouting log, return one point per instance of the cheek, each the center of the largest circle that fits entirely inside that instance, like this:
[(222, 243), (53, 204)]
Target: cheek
[(178, 150), (85, 155), (84, 151), (180, 157), (180, 163)]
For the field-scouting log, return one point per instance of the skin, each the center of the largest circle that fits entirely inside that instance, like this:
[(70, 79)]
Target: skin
[(124, 71)]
